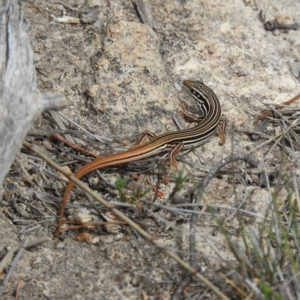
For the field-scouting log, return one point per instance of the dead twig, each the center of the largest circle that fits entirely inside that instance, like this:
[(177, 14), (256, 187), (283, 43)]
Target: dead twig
[(7, 258), (93, 136), (79, 148), (61, 125), (13, 265), (269, 112), (294, 124)]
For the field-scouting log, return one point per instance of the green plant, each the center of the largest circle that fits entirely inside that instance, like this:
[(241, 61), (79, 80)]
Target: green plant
[(179, 180), (120, 186)]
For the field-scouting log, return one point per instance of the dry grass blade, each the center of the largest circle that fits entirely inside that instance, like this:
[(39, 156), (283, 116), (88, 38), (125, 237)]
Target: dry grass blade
[(93, 136)]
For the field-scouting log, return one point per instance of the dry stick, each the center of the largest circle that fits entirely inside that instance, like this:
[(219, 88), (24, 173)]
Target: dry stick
[(285, 119), (294, 123), (183, 211), (143, 233), (79, 148), (106, 182), (197, 193), (93, 136), (93, 205), (282, 135), (269, 112), (61, 125), (7, 258), (13, 265)]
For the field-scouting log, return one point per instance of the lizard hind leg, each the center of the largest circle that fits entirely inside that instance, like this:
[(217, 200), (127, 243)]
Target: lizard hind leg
[(222, 132), (175, 150), (188, 116), (146, 137)]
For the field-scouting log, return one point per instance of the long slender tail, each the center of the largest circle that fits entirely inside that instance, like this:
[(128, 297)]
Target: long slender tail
[(96, 164)]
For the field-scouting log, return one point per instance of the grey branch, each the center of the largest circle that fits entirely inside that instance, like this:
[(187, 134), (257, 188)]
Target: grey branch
[(21, 101)]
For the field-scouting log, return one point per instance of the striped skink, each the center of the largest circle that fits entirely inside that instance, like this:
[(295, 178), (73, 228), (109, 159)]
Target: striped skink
[(170, 142)]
